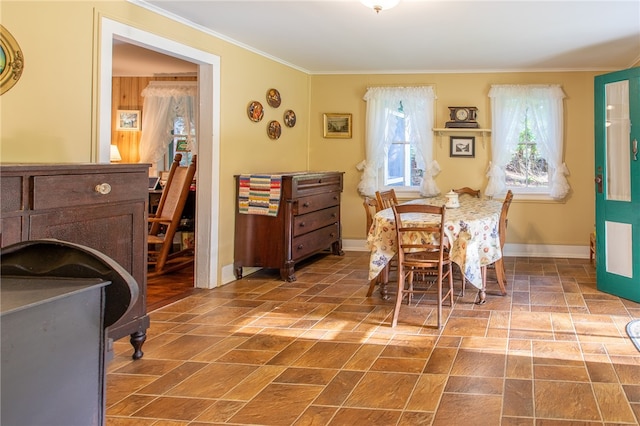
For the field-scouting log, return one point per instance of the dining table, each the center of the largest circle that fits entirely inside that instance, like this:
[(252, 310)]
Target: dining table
[(472, 230)]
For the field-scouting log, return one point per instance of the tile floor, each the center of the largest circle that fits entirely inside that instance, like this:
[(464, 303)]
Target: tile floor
[(260, 351)]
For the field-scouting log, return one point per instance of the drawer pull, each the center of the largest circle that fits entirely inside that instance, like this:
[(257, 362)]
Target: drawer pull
[(300, 247), (334, 215), (333, 234), (302, 225), (306, 204), (335, 197), (103, 188)]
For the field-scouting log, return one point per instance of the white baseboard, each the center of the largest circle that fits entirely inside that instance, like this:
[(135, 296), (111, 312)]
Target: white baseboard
[(229, 274), (512, 250)]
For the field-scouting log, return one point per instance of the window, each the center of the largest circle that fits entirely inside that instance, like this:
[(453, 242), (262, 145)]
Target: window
[(399, 140), (182, 140), (168, 120), (400, 163), (527, 141)]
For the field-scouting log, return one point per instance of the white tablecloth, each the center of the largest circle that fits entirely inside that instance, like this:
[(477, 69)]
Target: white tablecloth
[(472, 230)]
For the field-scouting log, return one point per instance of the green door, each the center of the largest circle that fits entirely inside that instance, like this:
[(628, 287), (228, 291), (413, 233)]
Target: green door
[(617, 178)]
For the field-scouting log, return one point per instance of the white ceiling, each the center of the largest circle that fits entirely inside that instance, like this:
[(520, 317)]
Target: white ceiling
[(422, 36)]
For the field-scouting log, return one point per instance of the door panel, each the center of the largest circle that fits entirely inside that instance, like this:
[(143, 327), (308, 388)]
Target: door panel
[(617, 108)]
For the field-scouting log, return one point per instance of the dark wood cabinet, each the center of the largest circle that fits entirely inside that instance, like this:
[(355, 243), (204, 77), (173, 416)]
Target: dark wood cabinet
[(102, 206), (45, 381), (308, 222)]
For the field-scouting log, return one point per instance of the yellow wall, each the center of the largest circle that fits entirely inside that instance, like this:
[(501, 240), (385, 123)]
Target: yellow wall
[(50, 115), (556, 223)]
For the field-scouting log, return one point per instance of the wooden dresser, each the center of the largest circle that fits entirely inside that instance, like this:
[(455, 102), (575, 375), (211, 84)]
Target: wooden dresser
[(308, 222), (102, 206)]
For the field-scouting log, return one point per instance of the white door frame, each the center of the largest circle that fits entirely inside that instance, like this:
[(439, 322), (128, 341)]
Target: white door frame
[(208, 168)]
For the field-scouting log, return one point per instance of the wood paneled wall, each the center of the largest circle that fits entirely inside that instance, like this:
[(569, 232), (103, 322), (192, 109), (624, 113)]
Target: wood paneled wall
[(126, 93)]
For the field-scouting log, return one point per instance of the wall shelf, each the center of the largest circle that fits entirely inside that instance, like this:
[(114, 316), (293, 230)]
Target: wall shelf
[(461, 131)]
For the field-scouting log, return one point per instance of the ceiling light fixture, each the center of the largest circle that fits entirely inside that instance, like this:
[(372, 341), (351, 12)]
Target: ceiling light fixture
[(379, 5)]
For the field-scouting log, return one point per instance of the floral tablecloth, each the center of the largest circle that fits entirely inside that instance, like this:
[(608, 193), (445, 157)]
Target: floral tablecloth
[(472, 230)]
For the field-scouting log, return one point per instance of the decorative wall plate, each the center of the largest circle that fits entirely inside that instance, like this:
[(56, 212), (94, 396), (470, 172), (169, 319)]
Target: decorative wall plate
[(11, 60), (274, 129), (255, 111), (289, 118), (273, 98)]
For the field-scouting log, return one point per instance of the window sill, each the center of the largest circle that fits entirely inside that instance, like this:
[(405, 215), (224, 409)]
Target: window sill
[(528, 197)]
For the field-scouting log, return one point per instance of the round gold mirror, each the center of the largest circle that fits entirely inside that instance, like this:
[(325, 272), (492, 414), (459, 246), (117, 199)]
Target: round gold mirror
[(11, 60)]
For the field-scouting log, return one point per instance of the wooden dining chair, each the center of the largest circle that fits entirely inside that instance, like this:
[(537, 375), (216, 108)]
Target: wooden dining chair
[(467, 190), (427, 256), (164, 223), (371, 207), (386, 199), (498, 265), (502, 232)]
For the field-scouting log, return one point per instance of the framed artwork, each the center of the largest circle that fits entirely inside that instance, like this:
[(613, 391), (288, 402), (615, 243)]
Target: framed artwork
[(462, 146), (128, 119), (337, 125)]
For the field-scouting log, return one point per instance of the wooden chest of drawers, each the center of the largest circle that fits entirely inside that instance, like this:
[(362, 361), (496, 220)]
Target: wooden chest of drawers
[(307, 223), (102, 206)]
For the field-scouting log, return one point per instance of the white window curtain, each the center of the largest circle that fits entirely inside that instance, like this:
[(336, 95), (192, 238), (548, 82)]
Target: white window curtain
[(164, 101), (508, 104), (382, 103)]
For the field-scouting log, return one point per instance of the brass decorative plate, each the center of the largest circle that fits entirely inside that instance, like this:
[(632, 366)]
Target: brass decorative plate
[(289, 118), (255, 111), (274, 129), (273, 98), (11, 60)]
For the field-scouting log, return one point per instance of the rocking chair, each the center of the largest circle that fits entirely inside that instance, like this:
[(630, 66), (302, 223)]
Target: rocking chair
[(165, 222)]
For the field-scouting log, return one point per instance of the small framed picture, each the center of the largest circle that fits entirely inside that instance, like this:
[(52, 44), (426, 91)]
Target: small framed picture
[(337, 126), (463, 146), (128, 119)]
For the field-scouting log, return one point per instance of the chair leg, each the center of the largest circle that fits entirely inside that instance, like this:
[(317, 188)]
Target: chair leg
[(451, 284), (372, 285), (399, 297), (482, 293), (439, 319), (501, 276)]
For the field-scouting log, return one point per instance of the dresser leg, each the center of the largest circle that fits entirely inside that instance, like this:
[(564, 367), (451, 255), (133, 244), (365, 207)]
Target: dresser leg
[(137, 339), (287, 272), (336, 248)]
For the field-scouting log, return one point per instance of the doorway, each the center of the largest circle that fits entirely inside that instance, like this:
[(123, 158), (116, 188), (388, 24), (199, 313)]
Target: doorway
[(207, 206)]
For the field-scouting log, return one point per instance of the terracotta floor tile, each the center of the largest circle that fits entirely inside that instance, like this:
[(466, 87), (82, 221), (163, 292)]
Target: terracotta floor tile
[(612, 402), (475, 363), (464, 410), (577, 401), (174, 408), (317, 351), (277, 404), (337, 391), (518, 398), (357, 416), (382, 390), (316, 415)]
